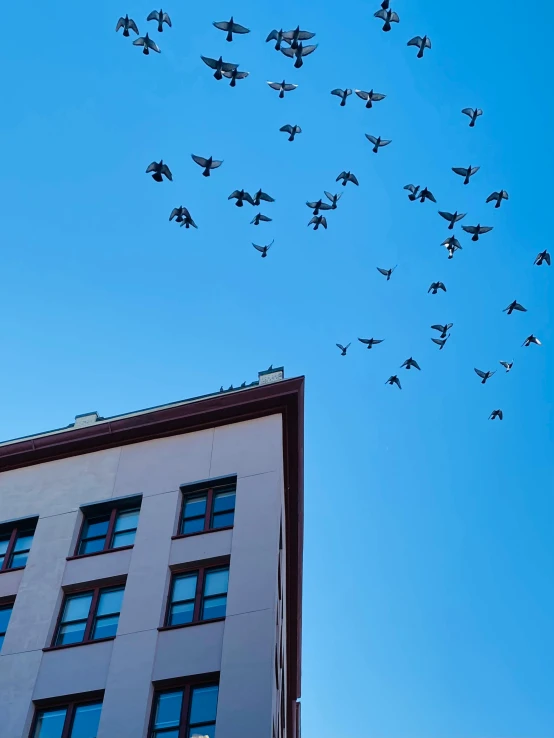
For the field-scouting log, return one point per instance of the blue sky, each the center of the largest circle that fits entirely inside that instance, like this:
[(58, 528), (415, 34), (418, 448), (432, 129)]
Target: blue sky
[(429, 608)]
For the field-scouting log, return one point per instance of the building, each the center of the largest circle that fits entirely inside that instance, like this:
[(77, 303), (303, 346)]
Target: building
[(151, 571)]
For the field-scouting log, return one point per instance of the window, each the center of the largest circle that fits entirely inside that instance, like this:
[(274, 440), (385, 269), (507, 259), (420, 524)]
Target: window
[(15, 543), (108, 529), (210, 508), (89, 616), (198, 595), (185, 713), (5, 613), (69, 721)]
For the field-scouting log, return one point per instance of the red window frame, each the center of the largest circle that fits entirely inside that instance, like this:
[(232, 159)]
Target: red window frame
[(112, 513), (70, 707), (187, 688), (210, 491), (201, 572), (25, 527)]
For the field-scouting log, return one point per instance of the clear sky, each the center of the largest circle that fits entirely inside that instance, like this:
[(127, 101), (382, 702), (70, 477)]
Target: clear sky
[(429, 556)]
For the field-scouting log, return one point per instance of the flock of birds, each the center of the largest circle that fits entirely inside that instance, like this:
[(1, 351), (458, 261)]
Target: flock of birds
[(291, 45)]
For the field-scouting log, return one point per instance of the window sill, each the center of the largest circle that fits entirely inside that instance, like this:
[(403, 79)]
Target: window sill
[(98, 553), (81, 643), (201, 532), (14, 568), (188, 625)]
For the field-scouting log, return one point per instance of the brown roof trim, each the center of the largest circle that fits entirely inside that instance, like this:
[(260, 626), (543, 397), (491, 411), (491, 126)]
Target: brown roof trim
[(285, 397)]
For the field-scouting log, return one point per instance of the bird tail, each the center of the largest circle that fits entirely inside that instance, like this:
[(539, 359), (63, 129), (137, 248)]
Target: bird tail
[(233, 83), (472, 124), (218, 74), (125, 32), (145, 50), (497, 204), (387, 27), (206, 173), (229, 36), (298, 63), (420, 53), (282, 94)]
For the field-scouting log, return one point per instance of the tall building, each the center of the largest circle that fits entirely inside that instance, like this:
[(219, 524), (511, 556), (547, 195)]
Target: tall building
[(151, 571)]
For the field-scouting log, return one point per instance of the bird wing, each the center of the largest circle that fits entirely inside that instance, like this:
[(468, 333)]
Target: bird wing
[(378, 340), (397, 382), (152, 167), (372, 139), (264, 218), (354, 180), (505, 364), (438, 328), (473, 170), (174, 212), (133, 26), (275, 85), (235, 194), (305, 35), (212, 63), (297, 129), (504, 195), (427, 43), (415, 41), (385, 143), (248, 198), (430, 195), (411, 188), (323, 222), (286, 129), (139, 41), (547, 258), (273, 36), (415, 364), (478, 112), (440, 286), (468, 111), (221, 25), (288, 52), (238, 75), (337, 92), (448, 326), (461, 171), (493, 196), (460, 216), (363, 95), (376, 97), (216, 164), (269, 245), (384, 272), (237, 28), (445, 215), (200, 160), (166, 19), (469, 229), (485, 229), (394, 17), (480, 373), (289, 87), (438, 341), (258, 248), (343, 175), (120, 24), (381, 14), (228, 67), (153, 45), (308, 49), (154, 15), (324, 206), (166, 170), (313, 220), (367, 341), (338, 345), (501, 415), (265, 196)]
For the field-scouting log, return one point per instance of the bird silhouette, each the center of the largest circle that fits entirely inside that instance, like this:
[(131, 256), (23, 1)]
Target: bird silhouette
[(544, 256), (497, 197), (452, 244), (318, 205), (452, 218), (298, 53), (291, 130), (409, 363), (496, 414), (484, 375), (441, 341), (413, 190), (127, 24), (370, 97), (465, 173), (293, 37), (282, 87), (422, 43), (443, 329), (507, 365), (333, 198), (207, 164), (371, 342), (347, 177), (147, 44), (531, 339), (343, 94), (377, 142), (477, 230), (515, 305), (259, 218), (234, 75), (473, 114), (240, 196), (260, 195), (394, 380), (218, 65), (343, 349), (230, 27), (435, 287), (276, 36), (386, 272), (318, 220), (161, 18), (263, 250), (388, 16), (159, 169)]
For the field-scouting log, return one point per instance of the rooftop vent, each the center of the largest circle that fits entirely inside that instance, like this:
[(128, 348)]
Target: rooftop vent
[(81, 421), (271, 375)]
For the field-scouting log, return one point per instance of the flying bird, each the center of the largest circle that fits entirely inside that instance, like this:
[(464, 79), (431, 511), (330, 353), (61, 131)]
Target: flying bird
[(342, 348), (387, 15), (409, 363), (394, 380), (477, 230), (386, 272), (507, 365), (230, 27), (159, 169), (343, 94), (531, 339), (276, 36), (442, 328), (263, 249), (319, 205), (161, 17), (282, 87), (515, 305), (333, 198), (298, 53), (291, 130), (452, 245), (259, 218), (422, 42), (318, 220), (260, 195), (377, 142), (347, 177), (441, 341), (466, 173), (147, 44), (207, 164), (127, 24), (435, 287), (182, 216), (413, 190), (426, 194), (385, 4), (219, 65), (473, 114), (370, 97), (451, 218), (293, 37), (484, 375), (234, 75), (371, 342), (496, 414), (240, 196), (544, 256), (497, 197)]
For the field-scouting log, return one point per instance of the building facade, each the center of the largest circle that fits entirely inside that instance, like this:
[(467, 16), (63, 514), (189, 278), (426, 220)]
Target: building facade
[(151, 571)]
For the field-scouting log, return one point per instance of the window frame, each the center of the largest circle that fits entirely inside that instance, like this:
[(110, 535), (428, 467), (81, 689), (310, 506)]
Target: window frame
[(112, 512), (13, 531), (187, 687), (210, 489), (96, 590), (200, 571), (70, 707), (5, 605)]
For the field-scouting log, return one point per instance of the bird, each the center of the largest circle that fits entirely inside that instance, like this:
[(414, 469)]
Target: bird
[(188, 221), (293, 37), (452, 244), (298, 53), (477, 230), (282, 87), (159, 169), (147, 44), (276, 36), (426, 194), (207, 164), (127, 24), (260, 195), (385, 4), (452, 218), (234, 75), (343, 94), (161, 17), (259, 218), (347, 177), (240, 196), (409, 363), (219, 65), (333, 198), (318, 220), (394, 380), (319, 205), (378, 142), (386, 272), (515, 305), (507, 365), (497, 197), (473, 114), (370, 97), (221, 389), (263, 250), (422, 42), (435, 287), (387, 15), (243, 385), (230, 27), (496, 414), (466, 173), (484, 375), (182, 216), (371, 342), (441, 341), (442, 328), (342, 348), (531, 339), (291, 130), (544, 256), (413, 190)]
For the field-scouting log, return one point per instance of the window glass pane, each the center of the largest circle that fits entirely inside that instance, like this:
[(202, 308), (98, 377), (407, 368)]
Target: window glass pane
[(182, 613), (216, 582), (18, 560), (184, 588), (73, 633), (195, 506), (215, 607), (96, 527), (77, 607), (166, 734), (168, 710), (50, 724), (224, 519), (1, 560), (105, 627), (1, 641), (86, 720), (203, 705), (127, 520), (92, 546), (224, 501), (109, 602), (5, 613), (127, 538), (193, 526), (202, 732), (23, 543), (4, 545)]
